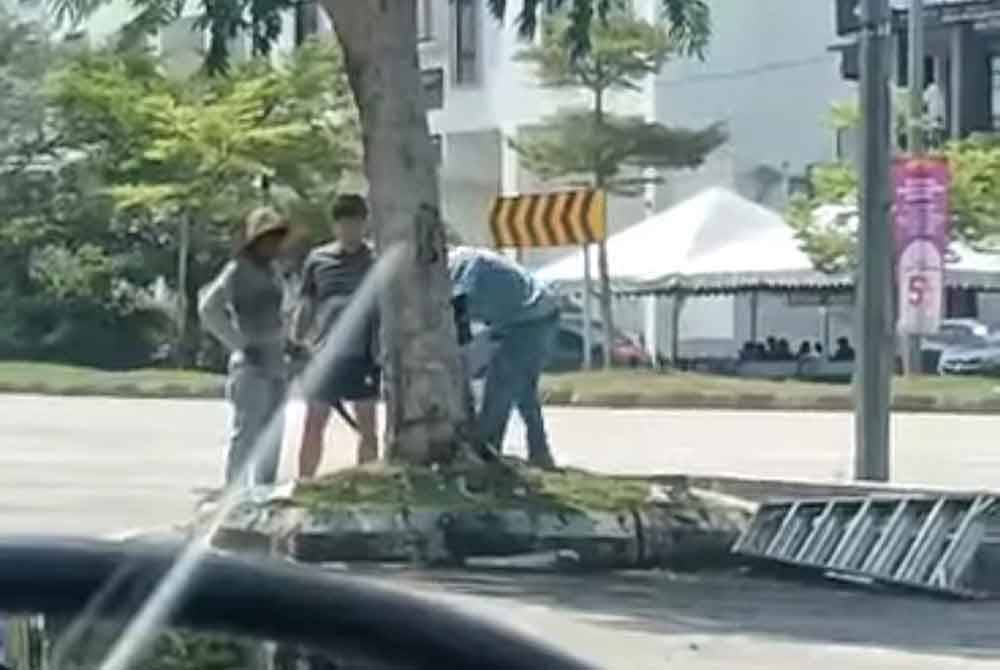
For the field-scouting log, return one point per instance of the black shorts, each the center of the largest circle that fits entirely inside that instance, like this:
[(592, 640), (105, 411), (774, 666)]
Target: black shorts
[(349, 379)]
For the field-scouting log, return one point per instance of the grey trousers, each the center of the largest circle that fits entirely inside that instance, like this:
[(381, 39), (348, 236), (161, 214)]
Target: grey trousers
[(257, 398), (512, 381)]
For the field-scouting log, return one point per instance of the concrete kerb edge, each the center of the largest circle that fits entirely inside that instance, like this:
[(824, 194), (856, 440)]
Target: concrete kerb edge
[(646, 537), (564, 397)]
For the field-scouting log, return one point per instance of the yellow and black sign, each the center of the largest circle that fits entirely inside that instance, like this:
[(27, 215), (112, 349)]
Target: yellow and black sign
[(549, 219)]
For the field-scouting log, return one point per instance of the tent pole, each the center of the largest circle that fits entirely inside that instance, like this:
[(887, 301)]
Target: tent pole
[(588, 340), (675, 334), (826, 329), (652, 336), (754, 315)]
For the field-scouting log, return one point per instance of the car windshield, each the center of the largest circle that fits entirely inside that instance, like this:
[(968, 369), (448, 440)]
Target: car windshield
[(656, 331)]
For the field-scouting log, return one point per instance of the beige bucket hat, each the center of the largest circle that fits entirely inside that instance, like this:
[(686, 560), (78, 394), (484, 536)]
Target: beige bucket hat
[(261, 222)]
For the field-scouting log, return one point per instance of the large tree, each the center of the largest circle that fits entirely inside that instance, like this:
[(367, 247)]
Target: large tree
[(424, 382), (591, 145), (189, 154), (71, 269)]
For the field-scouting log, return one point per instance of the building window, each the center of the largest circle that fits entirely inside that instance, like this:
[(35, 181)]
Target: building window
[(465, 43), (306, 21), (425, 20), (433, 84), (995, 90)]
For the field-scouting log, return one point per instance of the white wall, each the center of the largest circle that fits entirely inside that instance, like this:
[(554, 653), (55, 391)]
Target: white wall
[(469, 178), (769, 76), (506, 93)]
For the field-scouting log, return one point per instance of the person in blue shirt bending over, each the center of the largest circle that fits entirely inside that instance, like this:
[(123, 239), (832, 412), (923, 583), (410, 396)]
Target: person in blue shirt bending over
[(522, 314)]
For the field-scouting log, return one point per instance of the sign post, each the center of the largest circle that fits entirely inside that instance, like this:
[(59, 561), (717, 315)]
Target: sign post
[(921, 225), (561, 218)]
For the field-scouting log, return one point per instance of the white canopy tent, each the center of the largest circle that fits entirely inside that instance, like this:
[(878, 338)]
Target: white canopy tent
[(720, 243), (964, 266), (715, 231)]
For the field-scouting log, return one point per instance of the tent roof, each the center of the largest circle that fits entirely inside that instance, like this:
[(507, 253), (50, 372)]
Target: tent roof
[(715, 231), (965, 268)]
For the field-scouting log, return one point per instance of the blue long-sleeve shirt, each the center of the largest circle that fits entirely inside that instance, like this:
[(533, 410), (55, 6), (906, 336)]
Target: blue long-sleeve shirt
[(497, 290)]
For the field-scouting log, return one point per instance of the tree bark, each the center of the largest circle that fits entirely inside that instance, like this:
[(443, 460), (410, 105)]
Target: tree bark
[(607, 315), (422, 374), (187, 300)]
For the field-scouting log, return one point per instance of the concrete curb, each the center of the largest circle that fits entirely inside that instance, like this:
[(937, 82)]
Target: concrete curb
[(652, 535), (565, 397)]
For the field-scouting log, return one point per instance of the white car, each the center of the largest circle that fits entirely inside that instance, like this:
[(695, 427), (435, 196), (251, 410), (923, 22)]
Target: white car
[(967, 346)]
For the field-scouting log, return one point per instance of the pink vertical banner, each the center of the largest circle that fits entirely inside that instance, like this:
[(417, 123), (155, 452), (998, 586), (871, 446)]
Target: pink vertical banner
[(921, 227)]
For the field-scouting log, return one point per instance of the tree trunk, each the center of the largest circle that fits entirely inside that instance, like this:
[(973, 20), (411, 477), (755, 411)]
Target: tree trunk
[(607, 316), (422, 374), (187, 300)]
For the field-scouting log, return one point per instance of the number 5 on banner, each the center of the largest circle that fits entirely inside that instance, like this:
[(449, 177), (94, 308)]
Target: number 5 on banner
[(917, 290)]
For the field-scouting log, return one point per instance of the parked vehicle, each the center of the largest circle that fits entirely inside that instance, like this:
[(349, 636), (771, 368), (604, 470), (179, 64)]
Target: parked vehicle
[(962, 346), (976, 360), (567, 353)]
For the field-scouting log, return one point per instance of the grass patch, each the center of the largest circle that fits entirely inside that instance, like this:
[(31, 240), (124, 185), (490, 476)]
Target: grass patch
[(54, 378), (515, 486), (648, 383), (625, 388)]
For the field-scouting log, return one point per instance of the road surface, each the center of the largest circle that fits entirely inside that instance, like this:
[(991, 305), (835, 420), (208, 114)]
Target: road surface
[(108, 464), (93, 466)]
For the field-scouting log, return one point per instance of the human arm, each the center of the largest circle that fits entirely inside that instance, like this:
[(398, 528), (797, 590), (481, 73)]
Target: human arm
[(305, 309), (213, 309)]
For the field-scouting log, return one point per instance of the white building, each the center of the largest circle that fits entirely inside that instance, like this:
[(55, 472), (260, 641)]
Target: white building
[(768, 75)]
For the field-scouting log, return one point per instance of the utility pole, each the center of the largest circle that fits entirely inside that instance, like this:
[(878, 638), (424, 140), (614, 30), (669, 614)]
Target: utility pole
[(874, 321), (915, 138), (916, 77)]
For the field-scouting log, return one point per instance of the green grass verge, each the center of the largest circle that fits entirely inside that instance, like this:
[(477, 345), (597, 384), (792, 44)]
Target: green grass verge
[(517, 486), (614, 388), (69, 379), (649, 384)]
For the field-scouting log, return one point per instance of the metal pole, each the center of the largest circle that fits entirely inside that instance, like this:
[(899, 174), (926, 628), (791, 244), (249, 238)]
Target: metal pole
[(916, 77), (874, 325), (588, 340), (915, 136)]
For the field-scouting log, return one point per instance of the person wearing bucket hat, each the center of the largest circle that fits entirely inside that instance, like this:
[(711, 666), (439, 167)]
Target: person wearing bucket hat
[(331, 275), (242, 308)]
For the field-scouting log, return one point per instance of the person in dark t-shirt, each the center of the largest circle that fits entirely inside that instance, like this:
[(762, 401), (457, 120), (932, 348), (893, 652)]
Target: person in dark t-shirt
[(331, 275)]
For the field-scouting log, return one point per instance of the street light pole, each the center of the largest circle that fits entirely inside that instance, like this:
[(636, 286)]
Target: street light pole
[(874, 321), (915, 135)]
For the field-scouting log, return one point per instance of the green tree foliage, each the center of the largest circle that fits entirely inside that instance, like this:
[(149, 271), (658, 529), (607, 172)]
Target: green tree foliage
[(591, 146), (186, 157), (831, 241), (588, 142), (69, 267)]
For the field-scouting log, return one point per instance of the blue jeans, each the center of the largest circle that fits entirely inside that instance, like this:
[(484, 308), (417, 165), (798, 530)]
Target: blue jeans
[(257, 398), (512, 381)]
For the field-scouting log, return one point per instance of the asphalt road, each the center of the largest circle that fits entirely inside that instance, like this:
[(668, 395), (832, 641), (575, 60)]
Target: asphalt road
[(88, 465), (93, 466)]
